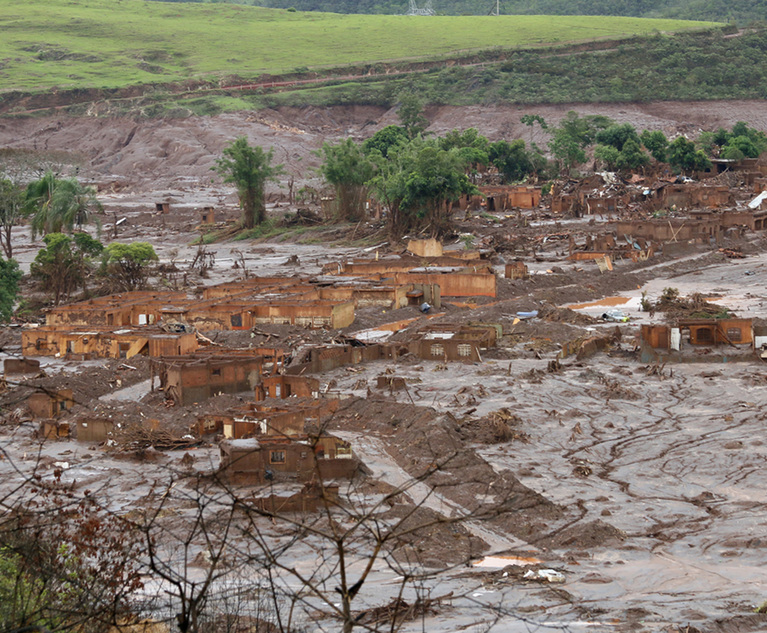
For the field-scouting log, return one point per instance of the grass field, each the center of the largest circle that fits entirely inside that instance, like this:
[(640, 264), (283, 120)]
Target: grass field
[(114, 43)]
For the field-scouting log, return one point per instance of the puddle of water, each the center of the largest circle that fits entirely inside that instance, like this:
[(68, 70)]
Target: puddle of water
[(499, 562), (602, 303)]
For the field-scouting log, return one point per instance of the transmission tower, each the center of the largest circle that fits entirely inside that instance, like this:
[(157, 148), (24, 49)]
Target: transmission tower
[(426, 10)]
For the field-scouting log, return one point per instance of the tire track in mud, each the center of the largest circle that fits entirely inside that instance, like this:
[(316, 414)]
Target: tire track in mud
[(667, 430)]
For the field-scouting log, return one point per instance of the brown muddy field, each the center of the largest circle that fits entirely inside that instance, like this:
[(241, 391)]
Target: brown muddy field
[(642, 485)]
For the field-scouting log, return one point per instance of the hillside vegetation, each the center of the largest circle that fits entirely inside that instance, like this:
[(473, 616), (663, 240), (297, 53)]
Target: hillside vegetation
[(705, 66), (740, 11), (102, 43)]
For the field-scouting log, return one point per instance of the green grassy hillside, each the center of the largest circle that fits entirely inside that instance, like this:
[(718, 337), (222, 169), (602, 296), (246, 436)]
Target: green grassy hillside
[(740, 11), (113, 43)]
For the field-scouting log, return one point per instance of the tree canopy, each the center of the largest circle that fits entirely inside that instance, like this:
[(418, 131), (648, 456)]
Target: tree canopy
[(249, 169), (127, 265), (419, 185), (656, 143), (65, 264), (348, 169), (514, 161), (684, 155), (411, 115), (386, 138), (10, 275), (57, 205), (12, 200)]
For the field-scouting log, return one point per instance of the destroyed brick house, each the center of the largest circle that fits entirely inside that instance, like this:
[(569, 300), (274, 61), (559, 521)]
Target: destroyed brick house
[(516, 270), (750, 219), (103, 342), (731, 338), (20, 366), (448, 342), (498, 198), (50, 404), (691, 195), (443, 342), (309, 497), (592, 195), (197, 377), (163, 324), (282, 386), (603, 194), (606, 245), (586, 204), (93, 429), (504, 198), (272, 459), (247, 422), (261, 418), (425, 248), (670, 229)]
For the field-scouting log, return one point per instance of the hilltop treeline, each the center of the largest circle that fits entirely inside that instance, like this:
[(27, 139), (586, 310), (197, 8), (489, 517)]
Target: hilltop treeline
[(741, 12)]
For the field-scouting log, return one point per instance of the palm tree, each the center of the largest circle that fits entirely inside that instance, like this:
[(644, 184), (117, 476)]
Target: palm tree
[(59, 204)]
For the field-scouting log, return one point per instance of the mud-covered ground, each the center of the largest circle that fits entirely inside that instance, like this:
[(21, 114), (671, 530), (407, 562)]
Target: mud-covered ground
[(643, 488), (642, 485)]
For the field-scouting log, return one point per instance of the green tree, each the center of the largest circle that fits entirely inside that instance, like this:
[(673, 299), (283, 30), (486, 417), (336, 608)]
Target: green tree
[(582, 130), (742, 145), (411, 115), (617, 135), (65, 264), (348, 169), (685, 156), (573, 135), (632, 156), (567, 150), (720, 137), (59, 204), (607, 156), (530, 120), (391, 136), (731, 152), (741, 142), (12, 197), (22, 596), (471, 145), (127, 265), (656, 143), (249, 169), (419, 185), (9, 287), (511, 159)]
